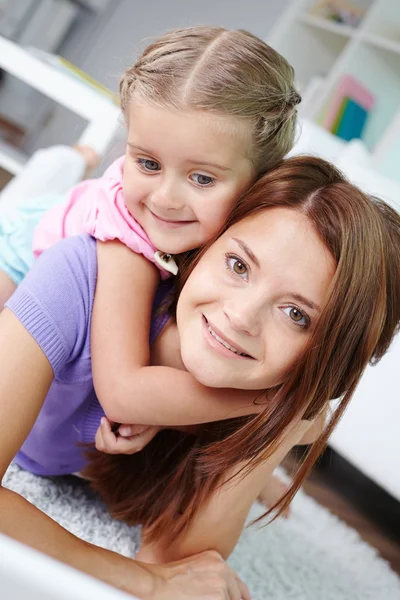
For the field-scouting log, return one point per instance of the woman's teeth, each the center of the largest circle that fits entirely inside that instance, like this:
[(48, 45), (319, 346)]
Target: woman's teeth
[(221, 341)]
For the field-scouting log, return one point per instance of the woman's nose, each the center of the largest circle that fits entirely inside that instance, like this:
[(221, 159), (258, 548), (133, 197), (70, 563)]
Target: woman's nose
[(243, 318)]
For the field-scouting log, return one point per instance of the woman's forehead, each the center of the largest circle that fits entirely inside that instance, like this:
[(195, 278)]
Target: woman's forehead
[(269, 218), (283, 241)]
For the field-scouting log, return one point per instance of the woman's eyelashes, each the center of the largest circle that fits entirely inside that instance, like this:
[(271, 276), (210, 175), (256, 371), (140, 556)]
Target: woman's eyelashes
[(298, 317), (236, 266)]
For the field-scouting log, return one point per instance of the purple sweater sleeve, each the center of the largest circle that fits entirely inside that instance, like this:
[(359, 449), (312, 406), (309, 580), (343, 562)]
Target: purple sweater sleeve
[(54, 302)]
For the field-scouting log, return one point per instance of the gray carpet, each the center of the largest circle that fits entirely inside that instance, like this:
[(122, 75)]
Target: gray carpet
[(310, 556)]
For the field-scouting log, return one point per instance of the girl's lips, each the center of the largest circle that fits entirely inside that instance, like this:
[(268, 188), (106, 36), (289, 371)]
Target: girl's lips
[(169, 224), (218, 346)]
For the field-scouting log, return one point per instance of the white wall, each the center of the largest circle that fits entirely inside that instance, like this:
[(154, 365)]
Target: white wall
[(116, 35), (104, 45)]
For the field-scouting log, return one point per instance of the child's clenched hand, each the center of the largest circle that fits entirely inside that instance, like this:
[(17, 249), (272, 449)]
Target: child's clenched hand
[(128, 439)]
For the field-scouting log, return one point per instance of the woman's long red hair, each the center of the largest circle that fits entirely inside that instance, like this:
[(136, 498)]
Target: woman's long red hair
[(163, 486)]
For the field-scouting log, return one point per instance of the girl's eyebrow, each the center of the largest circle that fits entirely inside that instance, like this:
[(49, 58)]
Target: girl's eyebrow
[(133, 147), (193, 161), (209, 164), (250, 254)]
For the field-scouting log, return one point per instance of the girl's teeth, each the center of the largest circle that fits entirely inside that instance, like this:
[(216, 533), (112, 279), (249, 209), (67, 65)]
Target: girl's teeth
[(221, 341)]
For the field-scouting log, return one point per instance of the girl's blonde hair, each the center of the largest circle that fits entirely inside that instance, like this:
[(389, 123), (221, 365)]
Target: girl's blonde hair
[(164, 485), (224, 72)]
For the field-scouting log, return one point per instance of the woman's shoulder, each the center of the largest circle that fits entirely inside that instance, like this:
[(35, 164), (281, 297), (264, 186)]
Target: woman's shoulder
[(74, 251), (55, 300)]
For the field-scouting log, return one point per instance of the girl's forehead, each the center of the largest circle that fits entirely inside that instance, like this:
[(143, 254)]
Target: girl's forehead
[(219, 130)]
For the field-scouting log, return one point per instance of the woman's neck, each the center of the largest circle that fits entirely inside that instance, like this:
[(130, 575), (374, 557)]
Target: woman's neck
[(166, 349)]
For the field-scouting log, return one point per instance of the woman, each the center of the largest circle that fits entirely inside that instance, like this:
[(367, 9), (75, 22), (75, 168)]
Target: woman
[(361, 315), (296, 296)]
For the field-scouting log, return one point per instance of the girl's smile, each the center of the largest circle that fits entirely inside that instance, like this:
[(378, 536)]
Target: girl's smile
[(168, 223), (183, 172)]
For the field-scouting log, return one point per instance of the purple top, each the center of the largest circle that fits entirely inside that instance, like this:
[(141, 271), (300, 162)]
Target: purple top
[(54, 303)]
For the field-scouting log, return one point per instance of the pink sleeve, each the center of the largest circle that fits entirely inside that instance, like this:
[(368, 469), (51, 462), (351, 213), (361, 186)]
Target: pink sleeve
[(96, 207)]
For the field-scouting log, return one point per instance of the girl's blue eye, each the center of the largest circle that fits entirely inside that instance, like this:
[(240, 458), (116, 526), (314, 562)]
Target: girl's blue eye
[(236, 266), (202, 180), (148, 164), (297, 316)]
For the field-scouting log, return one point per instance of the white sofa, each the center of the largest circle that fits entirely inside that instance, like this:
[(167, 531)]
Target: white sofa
[(368, 435)]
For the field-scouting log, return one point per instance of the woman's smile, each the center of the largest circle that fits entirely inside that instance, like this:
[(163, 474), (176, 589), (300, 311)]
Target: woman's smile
[(253, 300), (217, 341)]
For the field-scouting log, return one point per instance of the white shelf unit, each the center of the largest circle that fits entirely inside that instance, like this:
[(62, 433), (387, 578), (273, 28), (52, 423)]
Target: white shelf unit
[(321, 51), (100, 112)]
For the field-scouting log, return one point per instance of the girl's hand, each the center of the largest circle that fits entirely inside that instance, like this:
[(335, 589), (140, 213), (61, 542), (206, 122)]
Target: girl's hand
[(128, 439)]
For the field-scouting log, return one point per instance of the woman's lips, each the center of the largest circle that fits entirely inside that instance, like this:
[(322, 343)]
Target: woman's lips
[(221, 344)]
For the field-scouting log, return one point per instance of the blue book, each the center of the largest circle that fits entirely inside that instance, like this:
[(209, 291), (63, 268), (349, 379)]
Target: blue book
[(352, 122)]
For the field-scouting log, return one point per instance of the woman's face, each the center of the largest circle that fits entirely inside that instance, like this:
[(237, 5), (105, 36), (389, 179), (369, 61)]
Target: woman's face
[(251, 304)]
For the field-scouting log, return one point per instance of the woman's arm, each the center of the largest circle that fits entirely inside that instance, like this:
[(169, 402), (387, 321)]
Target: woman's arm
[(128, 389), (219, 523), (21, 398)]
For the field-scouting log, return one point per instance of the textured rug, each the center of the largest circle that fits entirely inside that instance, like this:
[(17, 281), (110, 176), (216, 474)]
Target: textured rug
[(311, 555)]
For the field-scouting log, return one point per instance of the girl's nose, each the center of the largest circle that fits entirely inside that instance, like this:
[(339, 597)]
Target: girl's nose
[(165, 196)]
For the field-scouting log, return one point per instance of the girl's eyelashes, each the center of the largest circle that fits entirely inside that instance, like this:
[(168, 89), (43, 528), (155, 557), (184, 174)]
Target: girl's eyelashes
[(236, 266), (148, 165), (297, 316), (202, 180)]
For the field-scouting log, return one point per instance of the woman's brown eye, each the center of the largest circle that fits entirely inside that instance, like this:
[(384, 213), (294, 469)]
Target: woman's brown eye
[(296, 315), (239, 267)]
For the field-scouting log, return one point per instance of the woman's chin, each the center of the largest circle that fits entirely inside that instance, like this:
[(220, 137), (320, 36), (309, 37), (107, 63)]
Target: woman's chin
[(208, 376)]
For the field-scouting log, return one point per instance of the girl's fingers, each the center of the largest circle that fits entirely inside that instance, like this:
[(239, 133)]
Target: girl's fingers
[(109, 438), (99, 442), (107, 441), (125, 431), (137, 442), (106, 425), (130, 430)]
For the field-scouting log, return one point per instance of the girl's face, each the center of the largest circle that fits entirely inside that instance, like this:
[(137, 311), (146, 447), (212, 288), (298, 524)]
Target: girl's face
[(183, 173), (251, 304)]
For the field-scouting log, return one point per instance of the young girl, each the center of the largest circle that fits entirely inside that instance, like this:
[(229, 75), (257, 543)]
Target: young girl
[(304, 282), (208, 111)]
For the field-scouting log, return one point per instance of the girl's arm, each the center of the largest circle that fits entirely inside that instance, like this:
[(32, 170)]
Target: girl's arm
[(128, 389), (218, 525), (21, 399)]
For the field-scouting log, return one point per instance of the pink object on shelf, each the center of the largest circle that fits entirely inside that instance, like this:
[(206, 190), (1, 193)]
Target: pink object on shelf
[(350, 87)]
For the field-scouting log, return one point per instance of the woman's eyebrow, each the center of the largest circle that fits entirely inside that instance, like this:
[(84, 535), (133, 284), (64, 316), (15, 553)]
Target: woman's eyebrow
[(302, 299), (306, 301), (246, 250)]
